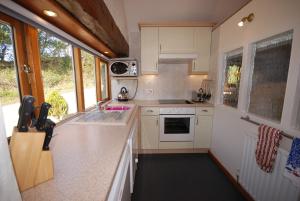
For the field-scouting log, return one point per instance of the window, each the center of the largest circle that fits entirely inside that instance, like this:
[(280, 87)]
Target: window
[(270, 71), (9, 85), (89, 79), (104, 81), (232, 78), (58, 75)]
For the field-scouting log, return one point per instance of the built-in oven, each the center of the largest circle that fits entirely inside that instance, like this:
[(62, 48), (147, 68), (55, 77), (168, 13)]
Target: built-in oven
[(177, 124)]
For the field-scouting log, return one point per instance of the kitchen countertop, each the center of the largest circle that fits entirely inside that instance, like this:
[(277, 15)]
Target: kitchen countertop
[(86, 158), (155, 103)]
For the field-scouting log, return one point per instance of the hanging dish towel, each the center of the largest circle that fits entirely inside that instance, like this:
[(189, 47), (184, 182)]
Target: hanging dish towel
[(267, 146), (292, 168)]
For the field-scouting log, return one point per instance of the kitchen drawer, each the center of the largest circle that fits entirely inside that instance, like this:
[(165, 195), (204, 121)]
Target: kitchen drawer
[(150, 111), (204, 111)]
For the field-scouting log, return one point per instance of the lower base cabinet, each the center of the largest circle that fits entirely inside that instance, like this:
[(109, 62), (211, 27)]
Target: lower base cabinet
[(203, 127), (150, 131), (122, 186), (121, 182), (126, 195)]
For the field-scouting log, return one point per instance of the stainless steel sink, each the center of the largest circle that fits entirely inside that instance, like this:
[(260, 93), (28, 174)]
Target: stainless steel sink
[(109, 115)]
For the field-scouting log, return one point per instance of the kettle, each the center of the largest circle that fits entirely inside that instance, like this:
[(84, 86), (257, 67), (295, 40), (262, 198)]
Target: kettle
[(123, 94)]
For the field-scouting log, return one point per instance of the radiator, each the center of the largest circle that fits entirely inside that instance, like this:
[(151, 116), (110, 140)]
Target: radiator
[(264, 186)]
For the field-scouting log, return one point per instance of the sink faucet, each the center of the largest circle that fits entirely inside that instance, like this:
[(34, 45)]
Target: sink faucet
[(100, 105)]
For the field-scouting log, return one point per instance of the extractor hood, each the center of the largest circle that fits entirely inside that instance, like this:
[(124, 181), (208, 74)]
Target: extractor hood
[(186, 57)]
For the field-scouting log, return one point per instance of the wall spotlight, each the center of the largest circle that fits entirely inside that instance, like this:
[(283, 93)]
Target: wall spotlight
[(249, 18)]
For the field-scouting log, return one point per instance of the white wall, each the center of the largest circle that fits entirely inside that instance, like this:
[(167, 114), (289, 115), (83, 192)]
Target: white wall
[(117, 10), (271, 17), (8, 186)]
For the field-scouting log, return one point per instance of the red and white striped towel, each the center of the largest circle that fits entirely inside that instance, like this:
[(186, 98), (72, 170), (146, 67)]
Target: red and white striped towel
[(267, 146)]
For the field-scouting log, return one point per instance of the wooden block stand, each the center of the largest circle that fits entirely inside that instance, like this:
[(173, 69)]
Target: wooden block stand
[(32, 165)]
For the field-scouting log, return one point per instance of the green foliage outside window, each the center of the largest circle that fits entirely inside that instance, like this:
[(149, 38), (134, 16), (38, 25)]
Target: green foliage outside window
[(233, 74), (59, 105), (9, 93)]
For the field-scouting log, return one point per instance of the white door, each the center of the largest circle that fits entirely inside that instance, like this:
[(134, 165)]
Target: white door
[(150, 132), (203, 127), (202, 43), (177, 40), (149, 50)]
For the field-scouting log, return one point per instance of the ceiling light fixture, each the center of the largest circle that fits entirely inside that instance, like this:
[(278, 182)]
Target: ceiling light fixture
[(106, 52), (50, 13), (249, 18)]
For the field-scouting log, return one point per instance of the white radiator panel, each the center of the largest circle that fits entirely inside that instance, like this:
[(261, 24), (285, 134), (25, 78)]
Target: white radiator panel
[(264, 186)]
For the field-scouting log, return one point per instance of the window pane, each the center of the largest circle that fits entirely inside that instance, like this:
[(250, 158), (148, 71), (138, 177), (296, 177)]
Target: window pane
[(58, 76), (89, 79), (232, 78), (104, 81), (271, 65), (9, 91)]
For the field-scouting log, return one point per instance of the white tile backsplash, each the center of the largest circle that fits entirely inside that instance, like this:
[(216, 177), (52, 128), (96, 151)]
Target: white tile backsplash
[(172, 82)]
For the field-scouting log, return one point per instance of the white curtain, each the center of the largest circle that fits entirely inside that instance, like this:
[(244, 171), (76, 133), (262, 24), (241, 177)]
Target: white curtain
[(9, 190)]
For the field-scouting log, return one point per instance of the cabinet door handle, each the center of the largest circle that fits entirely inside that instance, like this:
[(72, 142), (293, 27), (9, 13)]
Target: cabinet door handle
[(194, 64), (149, 110), (156, 65), (204, 110), (157, 122), (197, 121), (159, 48)]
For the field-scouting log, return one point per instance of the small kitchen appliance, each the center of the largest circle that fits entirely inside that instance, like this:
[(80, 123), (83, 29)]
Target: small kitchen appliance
[(204, 93), (123, 67), (123, 94)]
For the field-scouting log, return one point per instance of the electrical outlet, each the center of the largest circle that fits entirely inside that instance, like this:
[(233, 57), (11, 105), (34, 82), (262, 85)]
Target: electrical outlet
[(148, 92)]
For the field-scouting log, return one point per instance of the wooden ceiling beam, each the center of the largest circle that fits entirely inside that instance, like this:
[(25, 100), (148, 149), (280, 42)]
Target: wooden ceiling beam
[(82, 26), (96, 17)]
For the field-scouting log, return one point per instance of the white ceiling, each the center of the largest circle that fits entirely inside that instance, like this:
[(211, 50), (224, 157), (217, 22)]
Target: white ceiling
[(178, 10)]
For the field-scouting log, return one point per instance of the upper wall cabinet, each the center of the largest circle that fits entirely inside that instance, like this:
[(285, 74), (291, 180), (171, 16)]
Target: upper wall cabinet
[(158, 41), (177, 40), (149, 50), (202, 44)]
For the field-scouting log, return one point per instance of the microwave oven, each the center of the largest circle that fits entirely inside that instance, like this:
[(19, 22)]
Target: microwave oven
[(123, 67)]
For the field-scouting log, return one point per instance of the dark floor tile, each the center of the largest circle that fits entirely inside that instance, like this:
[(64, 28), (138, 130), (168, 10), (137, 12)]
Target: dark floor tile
[(181, 177)]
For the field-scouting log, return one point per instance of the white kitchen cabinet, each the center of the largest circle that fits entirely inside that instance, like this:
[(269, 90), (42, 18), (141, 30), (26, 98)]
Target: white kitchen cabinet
[(149, 131), (120, 190), (202, 43), (133, 144), (149, 50), (174, 40), (122, 186), (203, 127)]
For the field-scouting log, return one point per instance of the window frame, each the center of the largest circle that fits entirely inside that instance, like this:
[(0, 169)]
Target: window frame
[(95, 77), (27, 52), (236, 51), (72, 64), (20, 57), (251, 63), (99, 63)]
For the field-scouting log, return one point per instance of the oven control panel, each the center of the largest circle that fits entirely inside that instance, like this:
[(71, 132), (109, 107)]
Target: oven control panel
[(175, 110)]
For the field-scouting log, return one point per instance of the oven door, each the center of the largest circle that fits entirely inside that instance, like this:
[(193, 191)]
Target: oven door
[(177, 128)]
